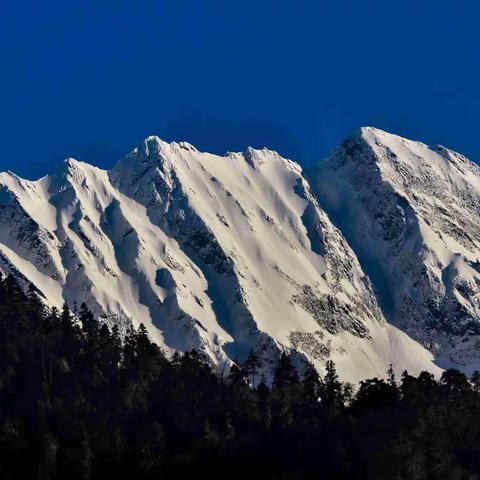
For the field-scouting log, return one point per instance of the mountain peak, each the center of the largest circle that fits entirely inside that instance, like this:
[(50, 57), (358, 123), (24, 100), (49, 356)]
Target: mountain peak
[(154, 145), (366, 129), (76, 169), (411, 211), (71, 163), (366, 132), (151, 148)]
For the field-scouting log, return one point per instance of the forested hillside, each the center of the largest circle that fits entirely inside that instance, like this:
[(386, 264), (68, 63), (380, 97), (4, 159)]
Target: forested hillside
[(78, 402)]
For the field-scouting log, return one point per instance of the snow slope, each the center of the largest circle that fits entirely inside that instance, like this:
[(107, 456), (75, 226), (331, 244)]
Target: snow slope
[(219, 253), (411, 212)]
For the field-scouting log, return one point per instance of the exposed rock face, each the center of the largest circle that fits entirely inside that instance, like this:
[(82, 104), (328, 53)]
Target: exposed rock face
[(222, 254), (411, 212)]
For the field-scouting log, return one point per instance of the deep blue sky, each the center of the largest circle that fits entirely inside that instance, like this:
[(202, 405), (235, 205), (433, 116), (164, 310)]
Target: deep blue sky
[(91, 79)]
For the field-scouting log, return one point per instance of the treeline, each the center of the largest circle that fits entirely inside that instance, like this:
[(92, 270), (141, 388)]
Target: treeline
[(77, 402)]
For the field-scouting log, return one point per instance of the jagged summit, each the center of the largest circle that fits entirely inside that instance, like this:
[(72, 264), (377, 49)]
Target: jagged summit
[(377, 138), (71, 169), (71, 162), (366, 133), (410, 212)]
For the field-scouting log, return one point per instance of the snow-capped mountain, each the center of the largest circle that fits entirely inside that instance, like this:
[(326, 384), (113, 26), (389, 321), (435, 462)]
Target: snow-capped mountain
[(227, 253), (411, 213)]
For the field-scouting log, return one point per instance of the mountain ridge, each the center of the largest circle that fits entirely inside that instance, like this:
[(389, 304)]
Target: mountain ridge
[(222, 253)]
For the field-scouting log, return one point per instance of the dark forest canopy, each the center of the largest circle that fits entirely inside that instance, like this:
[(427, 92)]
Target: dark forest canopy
[(78, 402)]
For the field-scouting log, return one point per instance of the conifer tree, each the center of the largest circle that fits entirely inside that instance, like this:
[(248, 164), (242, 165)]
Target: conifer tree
[(237, 375), (391, 380), (332, 389), (311, 383), (285, 373), (252, 365)]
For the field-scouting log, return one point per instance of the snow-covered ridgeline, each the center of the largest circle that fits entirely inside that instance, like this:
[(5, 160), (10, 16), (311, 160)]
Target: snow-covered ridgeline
[(219, 253)]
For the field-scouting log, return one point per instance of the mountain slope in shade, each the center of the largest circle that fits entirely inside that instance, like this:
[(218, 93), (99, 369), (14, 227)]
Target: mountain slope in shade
[(224, 254), (411, 213)]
